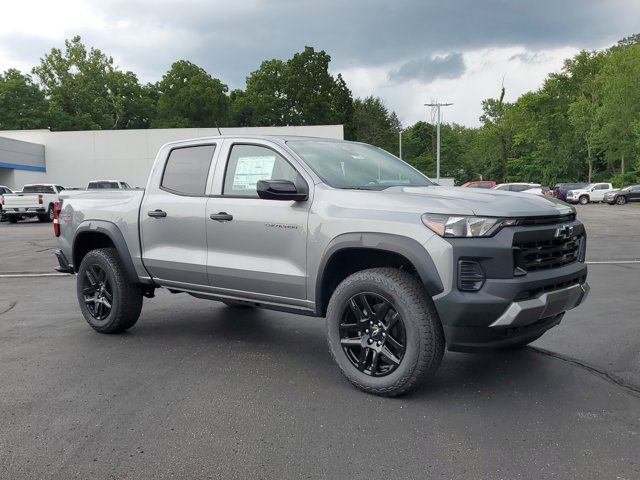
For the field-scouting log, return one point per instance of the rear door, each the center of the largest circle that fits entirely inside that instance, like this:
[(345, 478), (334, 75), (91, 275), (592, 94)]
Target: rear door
[(172, 218), (260, 250)]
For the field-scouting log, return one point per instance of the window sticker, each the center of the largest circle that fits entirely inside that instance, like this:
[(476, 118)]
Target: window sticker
[(251, 169)]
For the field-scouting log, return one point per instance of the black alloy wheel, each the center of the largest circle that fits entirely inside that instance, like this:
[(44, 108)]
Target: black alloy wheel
[(372, 334), (97, 291)]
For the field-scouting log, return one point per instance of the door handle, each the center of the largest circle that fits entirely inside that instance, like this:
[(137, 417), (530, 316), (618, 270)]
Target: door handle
[(221, 217), (157, 213)]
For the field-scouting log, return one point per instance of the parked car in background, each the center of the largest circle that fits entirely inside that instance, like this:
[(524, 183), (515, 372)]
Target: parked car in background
[(107, 185), (594, 192), (398, 266), (560, 190), (624, 195), (480, 184), (3, 190), (36, 200), (533, 188)]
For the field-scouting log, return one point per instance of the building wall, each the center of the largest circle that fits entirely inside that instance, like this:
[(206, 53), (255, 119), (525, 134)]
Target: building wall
[(75, 158)]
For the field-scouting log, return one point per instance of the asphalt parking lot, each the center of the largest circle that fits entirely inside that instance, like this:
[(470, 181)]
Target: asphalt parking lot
[(198, 390)]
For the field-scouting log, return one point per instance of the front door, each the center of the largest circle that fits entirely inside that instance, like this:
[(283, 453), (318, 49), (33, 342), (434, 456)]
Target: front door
[(174, 237), (256, 246)]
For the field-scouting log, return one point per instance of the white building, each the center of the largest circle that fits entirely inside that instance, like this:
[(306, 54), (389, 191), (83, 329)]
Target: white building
[(72, 159)]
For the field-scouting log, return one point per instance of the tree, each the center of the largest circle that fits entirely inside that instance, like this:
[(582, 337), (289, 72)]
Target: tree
[(620, 107), (300, 91), (373, 123), (22, 103), (87, 92), (584, 68), (189, 97)]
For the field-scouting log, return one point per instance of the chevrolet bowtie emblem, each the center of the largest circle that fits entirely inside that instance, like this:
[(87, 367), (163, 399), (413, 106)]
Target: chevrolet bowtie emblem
[(565, 231)]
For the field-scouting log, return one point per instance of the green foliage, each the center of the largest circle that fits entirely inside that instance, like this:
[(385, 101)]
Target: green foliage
[(22, 103), (189, 97), (583, 123), (87, 92), (299, 91)]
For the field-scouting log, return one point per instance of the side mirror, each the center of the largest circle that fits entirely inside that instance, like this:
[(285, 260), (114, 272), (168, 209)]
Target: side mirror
[(280, 190)]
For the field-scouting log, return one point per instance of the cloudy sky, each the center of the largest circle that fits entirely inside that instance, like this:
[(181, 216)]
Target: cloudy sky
[(408, 52)]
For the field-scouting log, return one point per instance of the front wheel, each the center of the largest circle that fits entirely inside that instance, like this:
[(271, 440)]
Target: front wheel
[(621, 200), (109, 302), (583, 200), (12, 218), (383, 331)]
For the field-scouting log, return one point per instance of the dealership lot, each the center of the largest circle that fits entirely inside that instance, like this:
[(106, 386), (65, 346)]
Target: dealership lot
[(197, 390)]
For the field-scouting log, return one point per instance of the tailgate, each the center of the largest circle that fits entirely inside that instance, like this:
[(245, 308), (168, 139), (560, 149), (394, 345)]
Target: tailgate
[(19, 200)]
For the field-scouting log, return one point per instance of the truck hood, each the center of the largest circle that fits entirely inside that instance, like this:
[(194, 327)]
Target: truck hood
[(481, 202)]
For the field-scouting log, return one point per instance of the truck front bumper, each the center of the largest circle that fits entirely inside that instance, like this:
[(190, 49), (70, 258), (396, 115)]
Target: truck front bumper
[(513, 305)]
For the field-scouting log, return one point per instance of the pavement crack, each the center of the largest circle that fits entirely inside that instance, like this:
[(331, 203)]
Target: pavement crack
[(9, 308), (609, 377)]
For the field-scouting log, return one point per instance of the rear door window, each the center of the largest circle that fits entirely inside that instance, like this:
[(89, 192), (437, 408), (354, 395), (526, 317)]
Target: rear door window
[(187, 169)]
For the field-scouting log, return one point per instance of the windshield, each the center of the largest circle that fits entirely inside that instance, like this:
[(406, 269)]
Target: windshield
[(356, 165)]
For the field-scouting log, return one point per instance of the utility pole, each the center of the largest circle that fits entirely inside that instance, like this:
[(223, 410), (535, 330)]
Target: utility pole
[(437, 106), (400, 143)]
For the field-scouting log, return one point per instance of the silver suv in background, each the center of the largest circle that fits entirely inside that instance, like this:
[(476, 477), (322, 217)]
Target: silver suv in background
[(399, 267)]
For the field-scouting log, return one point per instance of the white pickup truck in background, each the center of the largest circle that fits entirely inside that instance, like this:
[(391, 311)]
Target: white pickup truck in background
[(36, 200), (594, 192)]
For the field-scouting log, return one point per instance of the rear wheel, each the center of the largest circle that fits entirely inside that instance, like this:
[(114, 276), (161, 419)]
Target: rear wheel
[(621, 199), (383, 331), (109, 302), (47, 217), (583, 200)]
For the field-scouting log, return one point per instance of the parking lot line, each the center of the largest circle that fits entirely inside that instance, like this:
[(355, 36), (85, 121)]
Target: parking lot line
[(612, 262), (23, 275)]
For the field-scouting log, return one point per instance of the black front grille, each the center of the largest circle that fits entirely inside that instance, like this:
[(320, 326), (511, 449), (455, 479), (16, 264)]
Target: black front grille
[(548, 220), (542, 255)]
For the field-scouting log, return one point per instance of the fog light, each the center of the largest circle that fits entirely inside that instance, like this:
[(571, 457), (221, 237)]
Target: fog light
[(470, 276)]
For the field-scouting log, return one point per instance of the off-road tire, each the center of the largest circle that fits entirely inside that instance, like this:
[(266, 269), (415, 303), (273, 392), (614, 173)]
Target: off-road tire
[(583, 200), (127, 296), (424, 336)]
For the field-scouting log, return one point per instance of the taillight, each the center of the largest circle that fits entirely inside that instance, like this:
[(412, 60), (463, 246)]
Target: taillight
[(2, 200), (40, 199), (57, 206)]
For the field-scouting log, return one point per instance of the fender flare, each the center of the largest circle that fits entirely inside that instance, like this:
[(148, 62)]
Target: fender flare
[(405, 246), (112, 231)]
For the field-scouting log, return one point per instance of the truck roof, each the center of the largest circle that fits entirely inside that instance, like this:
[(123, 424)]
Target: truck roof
[(278, 138)]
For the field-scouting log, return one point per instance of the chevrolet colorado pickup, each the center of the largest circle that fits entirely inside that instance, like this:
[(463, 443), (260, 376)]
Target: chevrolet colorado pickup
[(400, 268)]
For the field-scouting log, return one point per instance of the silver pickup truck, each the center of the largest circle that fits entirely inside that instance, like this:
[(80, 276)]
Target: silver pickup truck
[(400, 267)]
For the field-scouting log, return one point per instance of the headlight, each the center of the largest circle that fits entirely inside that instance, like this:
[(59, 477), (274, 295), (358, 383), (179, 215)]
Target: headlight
[(455, 226)]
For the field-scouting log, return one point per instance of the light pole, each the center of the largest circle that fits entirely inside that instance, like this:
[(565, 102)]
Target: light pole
[(437, 105), (400, 143)]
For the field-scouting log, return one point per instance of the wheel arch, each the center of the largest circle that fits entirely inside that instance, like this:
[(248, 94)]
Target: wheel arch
[(96, 234), (352, 252)]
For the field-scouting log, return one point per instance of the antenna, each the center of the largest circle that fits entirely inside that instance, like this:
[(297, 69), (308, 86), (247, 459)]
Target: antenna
[(215, 122)]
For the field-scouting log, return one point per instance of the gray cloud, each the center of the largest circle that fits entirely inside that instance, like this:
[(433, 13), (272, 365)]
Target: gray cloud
[(427, 69), (230, 39)]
